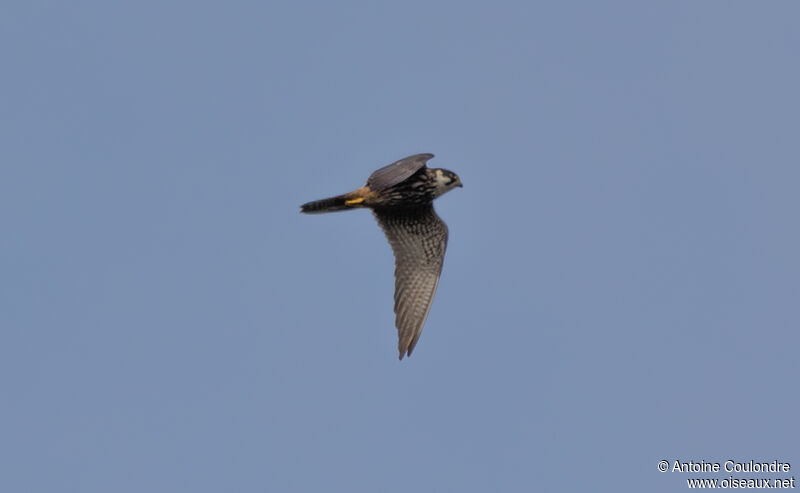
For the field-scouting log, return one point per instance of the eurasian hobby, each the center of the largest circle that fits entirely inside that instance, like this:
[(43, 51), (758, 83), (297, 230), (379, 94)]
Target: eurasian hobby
[(401, 198)]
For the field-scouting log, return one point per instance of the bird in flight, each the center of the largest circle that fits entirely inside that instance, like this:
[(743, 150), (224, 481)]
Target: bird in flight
[(401, 198)]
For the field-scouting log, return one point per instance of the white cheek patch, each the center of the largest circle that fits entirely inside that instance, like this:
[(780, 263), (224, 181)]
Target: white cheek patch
[(443, 183)]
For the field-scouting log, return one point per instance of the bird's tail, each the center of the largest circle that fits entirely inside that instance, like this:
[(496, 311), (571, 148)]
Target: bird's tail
[(344, 202)]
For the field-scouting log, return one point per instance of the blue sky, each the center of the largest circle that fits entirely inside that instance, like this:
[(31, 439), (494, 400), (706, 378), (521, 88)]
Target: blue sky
[(621, 284)]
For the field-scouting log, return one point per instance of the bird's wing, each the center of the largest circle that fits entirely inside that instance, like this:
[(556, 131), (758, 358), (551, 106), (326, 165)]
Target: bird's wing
[(397, 172), (418, 239)]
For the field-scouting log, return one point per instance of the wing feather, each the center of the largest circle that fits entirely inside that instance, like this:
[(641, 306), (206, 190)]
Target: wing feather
[(419, 239), (397, 172)]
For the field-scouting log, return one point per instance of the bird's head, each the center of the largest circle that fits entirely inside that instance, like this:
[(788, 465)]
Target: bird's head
[(445, 181)]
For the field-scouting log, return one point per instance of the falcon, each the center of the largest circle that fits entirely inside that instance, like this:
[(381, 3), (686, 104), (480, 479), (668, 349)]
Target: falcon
[(401, 198)]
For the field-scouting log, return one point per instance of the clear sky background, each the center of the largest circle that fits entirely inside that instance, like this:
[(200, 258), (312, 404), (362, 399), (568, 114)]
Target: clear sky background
[(622, 282)]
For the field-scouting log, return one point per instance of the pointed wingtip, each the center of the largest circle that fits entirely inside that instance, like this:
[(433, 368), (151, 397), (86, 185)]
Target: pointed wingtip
[(405, 352)]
